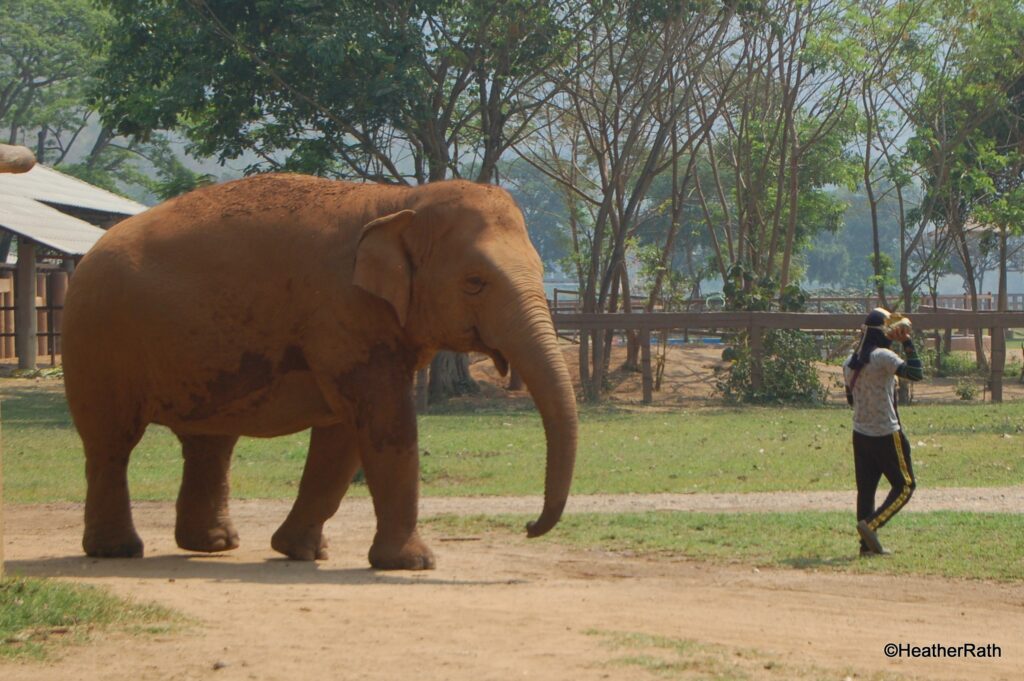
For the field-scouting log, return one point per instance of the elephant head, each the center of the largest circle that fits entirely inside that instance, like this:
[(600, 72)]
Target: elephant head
[(460, 273), (15, 159)]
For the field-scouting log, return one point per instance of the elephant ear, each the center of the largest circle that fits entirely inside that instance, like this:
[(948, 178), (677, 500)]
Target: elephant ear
[(382, 262)]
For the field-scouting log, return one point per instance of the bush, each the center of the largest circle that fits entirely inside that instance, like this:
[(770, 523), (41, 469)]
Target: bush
[(965, 389), (957, 364), (788, 371)]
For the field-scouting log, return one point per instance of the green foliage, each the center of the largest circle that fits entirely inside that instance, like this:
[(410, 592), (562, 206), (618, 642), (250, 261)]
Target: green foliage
[(48, 51), (788, 373), (392, 91), (787, 363), (35, 614), (545, 213), (966, 389), (49, 54), (957, 364)]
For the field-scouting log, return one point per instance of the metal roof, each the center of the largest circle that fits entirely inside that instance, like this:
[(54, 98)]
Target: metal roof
[(50, 186), (47, 226), (23, 208)]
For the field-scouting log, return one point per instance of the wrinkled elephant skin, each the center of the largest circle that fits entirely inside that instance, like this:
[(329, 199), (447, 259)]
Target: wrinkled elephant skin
[(281, 303)]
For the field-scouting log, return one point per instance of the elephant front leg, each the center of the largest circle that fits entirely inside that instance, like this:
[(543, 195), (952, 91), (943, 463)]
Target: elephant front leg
[(391, 464), (332, 462), (204, 523)]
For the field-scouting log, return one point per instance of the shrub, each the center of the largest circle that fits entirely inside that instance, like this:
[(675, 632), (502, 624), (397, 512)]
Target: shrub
[(957, 364), (788, 371), (965, 389)]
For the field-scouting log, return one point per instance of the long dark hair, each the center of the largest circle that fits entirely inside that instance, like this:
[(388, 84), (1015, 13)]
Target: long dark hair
[(873, 339)]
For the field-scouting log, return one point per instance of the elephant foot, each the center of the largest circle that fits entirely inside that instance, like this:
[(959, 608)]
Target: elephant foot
[(412, 554), (306, 543), (207, 539), (126, 544)]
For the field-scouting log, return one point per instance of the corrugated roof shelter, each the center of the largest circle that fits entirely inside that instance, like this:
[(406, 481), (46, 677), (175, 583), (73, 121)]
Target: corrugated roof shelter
[(65, 215), (47, 206)]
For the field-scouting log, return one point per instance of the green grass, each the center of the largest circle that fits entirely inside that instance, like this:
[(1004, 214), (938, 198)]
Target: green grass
[(491, 452), (36, 615), (945, 544)]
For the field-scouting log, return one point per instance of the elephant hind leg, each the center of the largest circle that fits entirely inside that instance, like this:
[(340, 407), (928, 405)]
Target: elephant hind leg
[(332, 462), (109, 529), (203, 521)]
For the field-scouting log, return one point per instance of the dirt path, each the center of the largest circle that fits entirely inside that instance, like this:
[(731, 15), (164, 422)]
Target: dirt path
[(509, 609)]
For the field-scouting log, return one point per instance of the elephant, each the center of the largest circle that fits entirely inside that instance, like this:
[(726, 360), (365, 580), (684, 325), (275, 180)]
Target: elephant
[(279, 303), (16, 159)]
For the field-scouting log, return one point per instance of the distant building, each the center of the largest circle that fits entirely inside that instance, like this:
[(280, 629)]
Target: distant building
[(55, 219)]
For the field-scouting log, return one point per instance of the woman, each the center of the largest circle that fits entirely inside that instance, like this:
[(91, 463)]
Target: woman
[(879, 445)]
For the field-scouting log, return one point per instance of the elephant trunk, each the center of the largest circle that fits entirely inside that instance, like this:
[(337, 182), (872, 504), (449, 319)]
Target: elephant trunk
[(531, 345)]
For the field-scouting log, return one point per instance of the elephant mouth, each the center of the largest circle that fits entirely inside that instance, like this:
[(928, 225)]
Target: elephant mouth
[(500, 363)]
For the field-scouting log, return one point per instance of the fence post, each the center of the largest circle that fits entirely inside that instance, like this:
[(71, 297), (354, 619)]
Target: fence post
[(998, 363), (756, 357), (645, 365)]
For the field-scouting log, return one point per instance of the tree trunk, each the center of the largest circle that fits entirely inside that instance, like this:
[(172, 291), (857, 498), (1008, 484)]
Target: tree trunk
[(449, 377), (422, 384), (586, 381), (41, 145), (1002, 301)]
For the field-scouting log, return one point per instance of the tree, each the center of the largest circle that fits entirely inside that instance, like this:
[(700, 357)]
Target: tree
[(49, 52), (622, 120), (968, 81), (780, 144), (404, 91)]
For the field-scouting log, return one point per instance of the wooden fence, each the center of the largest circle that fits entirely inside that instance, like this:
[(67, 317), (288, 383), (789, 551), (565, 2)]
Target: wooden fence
[(51, 288), (567, 300), (754, 323)]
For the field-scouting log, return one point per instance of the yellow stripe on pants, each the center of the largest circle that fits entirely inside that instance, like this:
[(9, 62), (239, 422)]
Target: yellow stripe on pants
[(899, 501)]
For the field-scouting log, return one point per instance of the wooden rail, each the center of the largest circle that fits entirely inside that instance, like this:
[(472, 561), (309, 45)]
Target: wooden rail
[(756, 322), (567, 300)]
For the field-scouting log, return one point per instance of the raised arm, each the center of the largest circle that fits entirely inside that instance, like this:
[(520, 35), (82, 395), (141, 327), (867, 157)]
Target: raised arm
[(912, 369)]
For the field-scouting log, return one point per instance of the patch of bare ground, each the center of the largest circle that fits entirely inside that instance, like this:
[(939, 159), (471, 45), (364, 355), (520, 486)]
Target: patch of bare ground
[(691, 371), (500, 608)]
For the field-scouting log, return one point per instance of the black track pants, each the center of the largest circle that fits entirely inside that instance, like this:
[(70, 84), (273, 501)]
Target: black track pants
[(873, 457)]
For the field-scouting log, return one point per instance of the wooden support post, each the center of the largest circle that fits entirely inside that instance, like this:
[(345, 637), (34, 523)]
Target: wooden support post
[(8, 314), (756, 357), (998, 364), (645, 365), (42, 316), (25, 316), (58, 291)]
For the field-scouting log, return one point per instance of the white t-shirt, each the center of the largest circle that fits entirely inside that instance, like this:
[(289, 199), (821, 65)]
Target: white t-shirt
[(874, 413)]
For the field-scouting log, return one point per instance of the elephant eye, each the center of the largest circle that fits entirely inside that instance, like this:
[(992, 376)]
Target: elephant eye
[(474, 285)]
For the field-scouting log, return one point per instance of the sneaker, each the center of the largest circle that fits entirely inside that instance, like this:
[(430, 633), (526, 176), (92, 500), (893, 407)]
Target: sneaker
[(870, 538), (868, 553)]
